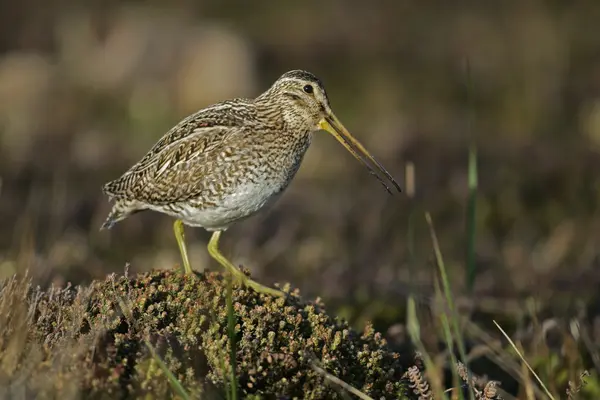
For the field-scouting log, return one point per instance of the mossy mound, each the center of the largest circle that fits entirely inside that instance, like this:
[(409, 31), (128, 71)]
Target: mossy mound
[(94, 342)]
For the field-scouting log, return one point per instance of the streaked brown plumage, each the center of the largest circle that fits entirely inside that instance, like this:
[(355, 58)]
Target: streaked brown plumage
[(227, 161)]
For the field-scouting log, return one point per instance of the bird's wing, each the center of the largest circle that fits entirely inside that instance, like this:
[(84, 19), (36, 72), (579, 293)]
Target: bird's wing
[(183, 163), (194, 125)]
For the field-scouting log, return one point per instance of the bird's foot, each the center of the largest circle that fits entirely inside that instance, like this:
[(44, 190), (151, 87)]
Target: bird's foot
[(183, 270), (246, 281)]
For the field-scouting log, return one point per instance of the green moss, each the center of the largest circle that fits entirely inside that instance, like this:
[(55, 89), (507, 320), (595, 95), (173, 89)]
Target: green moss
[(91, 341)]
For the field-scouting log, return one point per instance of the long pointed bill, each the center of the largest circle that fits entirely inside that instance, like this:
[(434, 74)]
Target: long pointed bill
[(332, 125)]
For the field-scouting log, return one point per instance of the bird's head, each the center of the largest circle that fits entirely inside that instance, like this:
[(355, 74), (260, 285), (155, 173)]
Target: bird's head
[(305, 107), (302, 99)]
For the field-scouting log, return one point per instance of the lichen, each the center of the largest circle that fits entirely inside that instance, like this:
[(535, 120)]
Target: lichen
[(93, 342)]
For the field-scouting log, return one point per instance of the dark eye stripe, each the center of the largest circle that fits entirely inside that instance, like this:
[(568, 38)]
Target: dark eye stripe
[(293, 96)]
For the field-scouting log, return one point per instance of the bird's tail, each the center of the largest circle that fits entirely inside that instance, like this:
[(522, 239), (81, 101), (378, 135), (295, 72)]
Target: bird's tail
[(120, 210)]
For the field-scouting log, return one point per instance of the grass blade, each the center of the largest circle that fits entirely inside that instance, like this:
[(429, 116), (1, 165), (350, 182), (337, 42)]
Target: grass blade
[(232, 338), (471, 216), (334, 379), (448, 295), (173, 381), (411, 306), (447, 333), (472, 182), (514, 346)]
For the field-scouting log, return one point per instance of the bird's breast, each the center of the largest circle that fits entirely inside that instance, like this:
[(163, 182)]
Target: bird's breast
[(255, 183), (246, 200)]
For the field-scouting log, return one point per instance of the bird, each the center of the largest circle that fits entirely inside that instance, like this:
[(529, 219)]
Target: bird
[(226, 162)]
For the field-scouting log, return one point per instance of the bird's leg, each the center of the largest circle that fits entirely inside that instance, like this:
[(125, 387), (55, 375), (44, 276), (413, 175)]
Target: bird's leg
[(180, 236), (213, 250)]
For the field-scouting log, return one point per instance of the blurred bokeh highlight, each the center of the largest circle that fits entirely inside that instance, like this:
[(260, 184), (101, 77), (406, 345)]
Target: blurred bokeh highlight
[(86, 88)]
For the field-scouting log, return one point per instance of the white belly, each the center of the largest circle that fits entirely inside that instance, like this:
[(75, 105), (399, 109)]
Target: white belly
[(248, 199)]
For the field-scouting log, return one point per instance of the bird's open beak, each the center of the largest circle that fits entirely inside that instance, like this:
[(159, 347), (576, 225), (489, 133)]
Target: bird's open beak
[(333, 125)]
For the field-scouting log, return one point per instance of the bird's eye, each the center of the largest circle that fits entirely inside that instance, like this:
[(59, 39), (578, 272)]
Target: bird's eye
[(308, 89)]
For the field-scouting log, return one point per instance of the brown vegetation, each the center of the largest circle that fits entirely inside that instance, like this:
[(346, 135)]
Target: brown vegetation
[(82, 342)]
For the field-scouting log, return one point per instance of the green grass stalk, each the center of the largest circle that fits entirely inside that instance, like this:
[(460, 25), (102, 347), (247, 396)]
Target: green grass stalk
[(514, 346), (454, 318), (472, 182), (173, 381), (232, 338), (411, 305), (471, 220)]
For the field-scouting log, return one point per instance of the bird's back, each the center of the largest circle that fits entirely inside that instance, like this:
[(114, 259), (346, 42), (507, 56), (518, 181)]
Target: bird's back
[(210, 154), (195, 141)]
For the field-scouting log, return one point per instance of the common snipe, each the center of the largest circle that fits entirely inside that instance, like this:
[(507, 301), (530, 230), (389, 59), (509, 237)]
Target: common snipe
[(227, 161)]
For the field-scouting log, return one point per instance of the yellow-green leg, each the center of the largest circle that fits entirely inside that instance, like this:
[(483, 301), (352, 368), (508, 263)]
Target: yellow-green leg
[(213, 250), (180, 236)]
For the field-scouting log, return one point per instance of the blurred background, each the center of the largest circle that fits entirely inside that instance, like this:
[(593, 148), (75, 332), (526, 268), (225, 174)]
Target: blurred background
[(87, 87)]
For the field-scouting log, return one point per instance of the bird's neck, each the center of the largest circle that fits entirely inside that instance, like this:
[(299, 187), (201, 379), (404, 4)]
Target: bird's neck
[(287, 113), (287, 131)]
